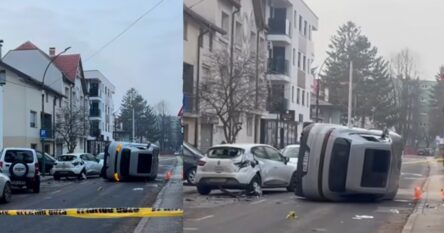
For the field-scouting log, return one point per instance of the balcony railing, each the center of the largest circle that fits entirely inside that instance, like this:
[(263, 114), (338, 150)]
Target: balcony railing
[(277, 104), (189, 104), (279, 26), (278, 66), (94, 112)]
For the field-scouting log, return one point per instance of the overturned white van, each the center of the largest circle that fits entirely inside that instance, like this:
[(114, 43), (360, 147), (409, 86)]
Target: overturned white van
[(125, 160), (337, 163)]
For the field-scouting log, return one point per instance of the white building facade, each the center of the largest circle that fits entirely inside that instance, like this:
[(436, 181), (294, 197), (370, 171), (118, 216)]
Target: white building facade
[(212, 22), (101, 110), (291, 24)]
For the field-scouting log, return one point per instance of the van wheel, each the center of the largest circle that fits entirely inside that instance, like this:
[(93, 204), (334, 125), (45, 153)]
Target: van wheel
[(254, 188), (291, 187), (56, 177), (191, 176), (7, 193), (203, 190)]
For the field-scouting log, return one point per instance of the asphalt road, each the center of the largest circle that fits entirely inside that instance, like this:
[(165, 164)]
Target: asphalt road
[(93, 192), (220, 213)]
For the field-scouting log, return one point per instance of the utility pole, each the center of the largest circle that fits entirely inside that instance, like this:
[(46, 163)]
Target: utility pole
[(350, 94), (133, 134), (2, 83)]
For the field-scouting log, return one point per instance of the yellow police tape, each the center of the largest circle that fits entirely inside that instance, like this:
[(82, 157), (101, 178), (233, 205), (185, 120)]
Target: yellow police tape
[(98, 212)]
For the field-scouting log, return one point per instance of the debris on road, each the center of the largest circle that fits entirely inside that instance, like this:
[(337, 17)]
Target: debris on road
[(137, 189), (99, 188), (319, 230), (395, 211), (292, 215), (361, 217)]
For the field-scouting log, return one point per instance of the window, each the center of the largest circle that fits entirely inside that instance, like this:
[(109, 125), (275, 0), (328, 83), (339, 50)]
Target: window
[(303, 97), (259, 152), (33, 120), (295, 19), (297, 96), (300, 23), (309, 31), (273, 154), (238, 33), (304, 63), (249, 126), (299, 59), (224, 152), (292, 94), (33, 146), (305, 28), (225, 23), (60, 102), (185, 30), (210, 42), (294, 56), (308, 99), (301, 118), (19, 156), (253, 41)]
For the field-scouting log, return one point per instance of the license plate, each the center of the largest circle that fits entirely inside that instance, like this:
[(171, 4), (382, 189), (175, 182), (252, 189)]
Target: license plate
[(18, 182), (216, 180), (218, 169)]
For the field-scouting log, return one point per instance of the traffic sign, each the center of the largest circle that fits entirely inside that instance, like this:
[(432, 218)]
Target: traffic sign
[(43, 133)]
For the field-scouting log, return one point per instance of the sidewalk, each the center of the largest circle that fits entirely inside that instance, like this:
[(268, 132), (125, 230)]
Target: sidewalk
[(428, 215)]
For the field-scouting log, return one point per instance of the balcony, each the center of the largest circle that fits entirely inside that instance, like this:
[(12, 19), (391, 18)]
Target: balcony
[(94, 112), (279, 30), (278, 66), (278, 104)]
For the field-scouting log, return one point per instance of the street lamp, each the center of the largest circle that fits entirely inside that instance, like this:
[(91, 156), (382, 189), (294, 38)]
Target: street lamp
[(42, 132)]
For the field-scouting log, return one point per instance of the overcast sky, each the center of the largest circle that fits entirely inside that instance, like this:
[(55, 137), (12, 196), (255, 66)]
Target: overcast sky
[(391, 25), (148, 57)]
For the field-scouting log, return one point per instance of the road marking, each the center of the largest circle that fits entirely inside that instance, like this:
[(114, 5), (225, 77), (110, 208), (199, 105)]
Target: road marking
[(57, 191), (257, 202), (190, 228), (411, 174), (203, 218), (404, 201)]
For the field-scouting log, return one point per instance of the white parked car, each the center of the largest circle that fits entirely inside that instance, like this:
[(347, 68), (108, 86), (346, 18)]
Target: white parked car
[(5, 188), (291, 152), (78, 165), (251, 167), (101, 157)]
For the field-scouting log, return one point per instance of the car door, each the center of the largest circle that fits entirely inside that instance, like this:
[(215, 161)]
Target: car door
[(88, 164), (280, 172), (264, 164), (95, 164)]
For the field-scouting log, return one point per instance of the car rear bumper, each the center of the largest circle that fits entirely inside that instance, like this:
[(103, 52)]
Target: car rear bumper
[(228, 183), (66, 172)]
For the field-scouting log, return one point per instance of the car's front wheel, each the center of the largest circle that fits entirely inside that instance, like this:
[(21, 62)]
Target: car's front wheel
[(191, 176), (82, 175), (203, 190), (56, 177), (7, 193)]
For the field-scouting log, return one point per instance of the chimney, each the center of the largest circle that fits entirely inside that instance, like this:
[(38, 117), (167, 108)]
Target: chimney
[(1, 44), (52, 51)]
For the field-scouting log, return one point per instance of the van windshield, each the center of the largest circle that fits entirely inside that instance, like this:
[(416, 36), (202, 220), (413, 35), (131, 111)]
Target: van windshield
[(66, 158), (19, 156), (224, 152)]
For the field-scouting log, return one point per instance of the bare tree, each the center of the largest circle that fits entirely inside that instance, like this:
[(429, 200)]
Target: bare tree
[(404, 70), (71, 125), (231, 97)]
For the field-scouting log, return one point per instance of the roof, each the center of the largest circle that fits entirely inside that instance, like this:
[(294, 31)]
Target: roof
[(200, 19), (28, 78), (68, 64), (28, 45), (240, 145)]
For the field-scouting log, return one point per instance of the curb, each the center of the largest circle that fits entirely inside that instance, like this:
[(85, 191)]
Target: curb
[(408, 227), (140, 228)]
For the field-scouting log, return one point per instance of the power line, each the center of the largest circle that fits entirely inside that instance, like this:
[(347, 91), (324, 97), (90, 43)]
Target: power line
[(120, 34)]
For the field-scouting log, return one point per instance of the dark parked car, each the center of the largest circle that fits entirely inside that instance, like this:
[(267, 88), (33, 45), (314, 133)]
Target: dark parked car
[(190, 157), (49, 161)]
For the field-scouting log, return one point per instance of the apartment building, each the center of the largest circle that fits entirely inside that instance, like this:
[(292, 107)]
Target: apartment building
[(207, 29), (101, 110), (291, 24)]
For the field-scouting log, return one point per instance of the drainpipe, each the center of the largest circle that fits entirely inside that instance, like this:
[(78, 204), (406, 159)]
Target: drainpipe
[(53, 125), (257, 117), (196, 121), (231, 57)]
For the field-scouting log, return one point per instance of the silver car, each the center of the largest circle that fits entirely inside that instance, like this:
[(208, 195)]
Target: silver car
[(291, 152), (250, 166), (5, 188)]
